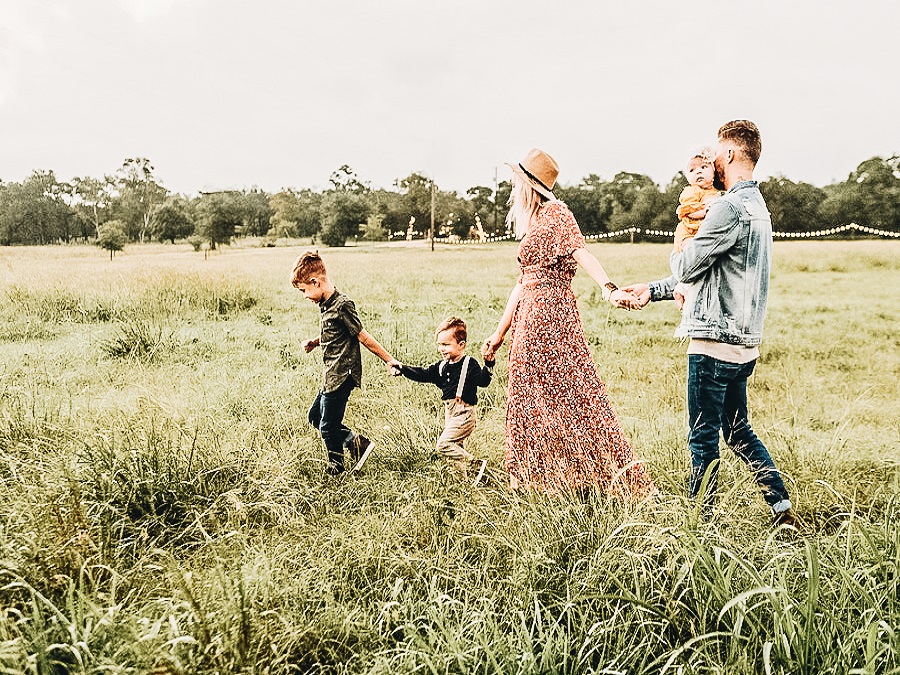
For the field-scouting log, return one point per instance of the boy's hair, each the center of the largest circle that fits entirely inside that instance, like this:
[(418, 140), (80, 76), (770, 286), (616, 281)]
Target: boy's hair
[(457, 325), (307, 266), (745, 135)]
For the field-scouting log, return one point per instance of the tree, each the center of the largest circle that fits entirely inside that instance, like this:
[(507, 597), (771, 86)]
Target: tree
[(172, 220), (257, 212), (481, 204), (590, 202), (415, 193), (294, 214), (870, 196), (346, 180), (501, 207), (220, 214), (34, 211), (90, 199), (794, 207), (111, 236), (624, 190), (138, 192), (387, 206), (343, 213)]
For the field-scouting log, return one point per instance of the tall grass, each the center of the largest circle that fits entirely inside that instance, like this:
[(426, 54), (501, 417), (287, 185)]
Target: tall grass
[(165, 510)]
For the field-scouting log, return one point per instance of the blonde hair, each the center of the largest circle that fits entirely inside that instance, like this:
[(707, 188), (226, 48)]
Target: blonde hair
[(705, 152), (524, 202)]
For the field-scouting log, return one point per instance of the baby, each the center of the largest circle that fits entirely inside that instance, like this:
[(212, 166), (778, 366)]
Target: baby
[(693, 204)]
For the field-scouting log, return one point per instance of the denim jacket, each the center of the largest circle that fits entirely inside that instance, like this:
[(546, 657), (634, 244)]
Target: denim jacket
[(728, 261)]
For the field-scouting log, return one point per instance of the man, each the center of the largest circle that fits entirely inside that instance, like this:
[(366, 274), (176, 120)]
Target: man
[(728, 265)]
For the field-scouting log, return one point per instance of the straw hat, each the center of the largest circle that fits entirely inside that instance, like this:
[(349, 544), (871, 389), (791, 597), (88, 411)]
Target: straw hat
[(540, 170)]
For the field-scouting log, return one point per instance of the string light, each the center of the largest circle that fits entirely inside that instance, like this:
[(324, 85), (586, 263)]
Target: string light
[(831, 231)]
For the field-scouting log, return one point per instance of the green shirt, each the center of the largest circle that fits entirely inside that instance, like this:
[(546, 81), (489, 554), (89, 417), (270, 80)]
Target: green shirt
[(339, 341)]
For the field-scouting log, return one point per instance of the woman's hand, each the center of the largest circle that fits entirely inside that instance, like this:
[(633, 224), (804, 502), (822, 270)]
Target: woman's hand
[(624, 300), (490, 346)]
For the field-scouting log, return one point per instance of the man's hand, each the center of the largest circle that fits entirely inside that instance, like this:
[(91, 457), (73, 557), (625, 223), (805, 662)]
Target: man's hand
[(309, 345), (624, 299), (640, 291), (394, 367)]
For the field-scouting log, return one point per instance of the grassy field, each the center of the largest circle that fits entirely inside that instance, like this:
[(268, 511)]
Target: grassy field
[(164, 509)]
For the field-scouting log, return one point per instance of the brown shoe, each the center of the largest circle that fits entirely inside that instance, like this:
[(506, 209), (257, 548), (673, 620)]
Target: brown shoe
[(360, 450), (785, 518)]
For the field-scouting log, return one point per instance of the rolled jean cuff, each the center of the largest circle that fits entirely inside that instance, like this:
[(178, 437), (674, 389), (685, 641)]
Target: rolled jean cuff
[(782, 506)]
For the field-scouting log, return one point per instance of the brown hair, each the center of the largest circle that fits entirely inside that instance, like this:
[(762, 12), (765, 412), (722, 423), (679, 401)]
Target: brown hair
[(745, 135), (457, 325), (307, 266)]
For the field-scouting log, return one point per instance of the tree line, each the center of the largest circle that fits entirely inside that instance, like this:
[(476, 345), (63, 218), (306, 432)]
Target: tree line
[(132, 205)]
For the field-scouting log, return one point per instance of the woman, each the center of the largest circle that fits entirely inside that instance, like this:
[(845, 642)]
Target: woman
[(561, 431)]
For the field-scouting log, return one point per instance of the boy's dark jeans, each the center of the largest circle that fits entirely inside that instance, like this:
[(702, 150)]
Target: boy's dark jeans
[(327, 415), (717, 399)]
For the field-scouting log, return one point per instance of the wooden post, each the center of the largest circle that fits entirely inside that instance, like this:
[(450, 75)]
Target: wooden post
[(432, 215)]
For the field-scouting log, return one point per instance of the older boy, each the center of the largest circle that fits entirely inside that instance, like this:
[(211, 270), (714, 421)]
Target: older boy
[(340, 337), (729, 260), (458, 377)]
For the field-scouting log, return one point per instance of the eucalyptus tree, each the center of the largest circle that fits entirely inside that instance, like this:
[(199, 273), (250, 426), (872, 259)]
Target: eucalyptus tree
[(90, 199), (137, 193)]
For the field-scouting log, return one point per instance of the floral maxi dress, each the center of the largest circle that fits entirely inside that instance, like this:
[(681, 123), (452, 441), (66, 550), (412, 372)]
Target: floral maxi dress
[(561, 431)]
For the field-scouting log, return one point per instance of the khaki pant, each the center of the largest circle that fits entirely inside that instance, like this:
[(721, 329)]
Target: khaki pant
[(459, 423)]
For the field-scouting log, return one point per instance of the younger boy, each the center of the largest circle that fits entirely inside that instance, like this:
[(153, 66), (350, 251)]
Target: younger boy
[(458, 376), (340, 337)]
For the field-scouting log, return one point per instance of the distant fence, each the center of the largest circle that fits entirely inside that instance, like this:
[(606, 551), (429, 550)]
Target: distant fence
[(631, 231)]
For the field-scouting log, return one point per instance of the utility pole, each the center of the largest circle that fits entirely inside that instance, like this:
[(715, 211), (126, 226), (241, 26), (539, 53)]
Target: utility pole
[(494, 214), (431, 234)]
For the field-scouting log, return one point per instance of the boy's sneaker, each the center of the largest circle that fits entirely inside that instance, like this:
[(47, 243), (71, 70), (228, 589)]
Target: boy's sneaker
[(480, 466), (784, 518), (360, 449)]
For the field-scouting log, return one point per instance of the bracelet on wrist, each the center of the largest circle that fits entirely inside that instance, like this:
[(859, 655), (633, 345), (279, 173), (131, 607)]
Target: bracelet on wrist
[(609, 287)]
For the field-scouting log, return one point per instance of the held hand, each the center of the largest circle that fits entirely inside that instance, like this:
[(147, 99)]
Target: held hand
[(640, 291), (624, 300), (490, 346), (679, 299), (394, 367), (309, 345)]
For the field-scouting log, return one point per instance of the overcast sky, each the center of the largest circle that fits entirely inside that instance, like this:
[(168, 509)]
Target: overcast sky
[(277, 93)]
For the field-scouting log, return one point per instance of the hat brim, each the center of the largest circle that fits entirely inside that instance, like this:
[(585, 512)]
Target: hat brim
[(533, 183)]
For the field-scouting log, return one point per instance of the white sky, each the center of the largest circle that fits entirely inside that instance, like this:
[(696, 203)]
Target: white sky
[(280, 93)]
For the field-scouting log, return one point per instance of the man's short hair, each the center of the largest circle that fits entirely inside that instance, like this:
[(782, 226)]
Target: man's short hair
[(455, 324), (745, 135), (306, 267)]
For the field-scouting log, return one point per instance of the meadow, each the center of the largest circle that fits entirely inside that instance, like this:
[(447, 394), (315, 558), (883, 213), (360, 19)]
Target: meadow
[(164, 508)]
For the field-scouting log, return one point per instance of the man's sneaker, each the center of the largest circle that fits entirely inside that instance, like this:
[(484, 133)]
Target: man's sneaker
[(333, 469), (784, 518), (481, 465), (360, 449)]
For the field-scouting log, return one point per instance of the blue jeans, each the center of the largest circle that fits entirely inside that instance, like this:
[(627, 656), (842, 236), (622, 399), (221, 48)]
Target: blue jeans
[(717, 399), (327, 415)]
